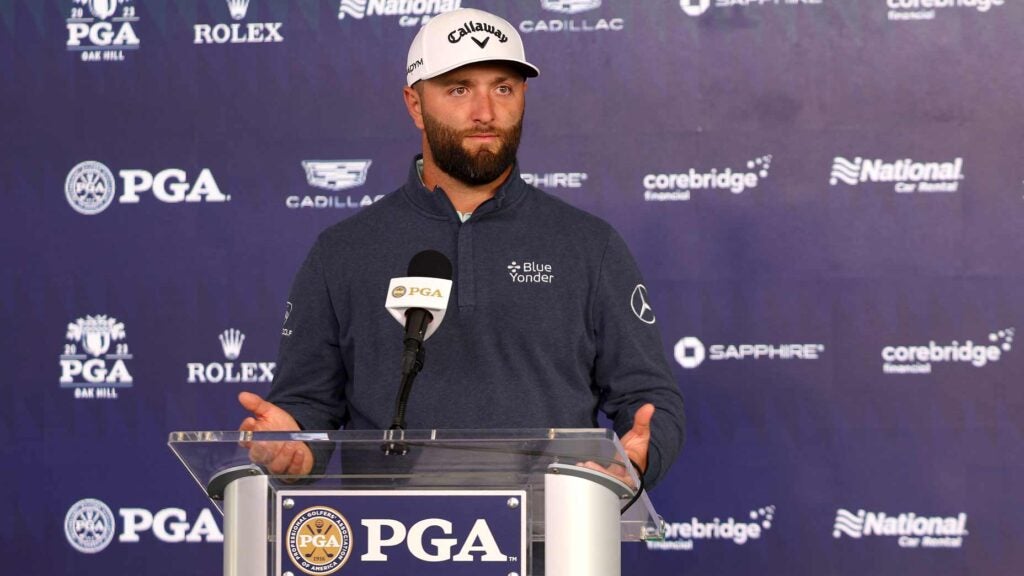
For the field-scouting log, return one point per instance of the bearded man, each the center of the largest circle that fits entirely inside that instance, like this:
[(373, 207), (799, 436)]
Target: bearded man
[(542, 328)]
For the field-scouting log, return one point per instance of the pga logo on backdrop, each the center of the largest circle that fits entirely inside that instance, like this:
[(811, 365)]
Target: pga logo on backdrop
[(90, 526), (90, 187)]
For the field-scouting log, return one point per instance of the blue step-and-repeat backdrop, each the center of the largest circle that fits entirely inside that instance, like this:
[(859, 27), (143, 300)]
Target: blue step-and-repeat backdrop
[(825, 198)]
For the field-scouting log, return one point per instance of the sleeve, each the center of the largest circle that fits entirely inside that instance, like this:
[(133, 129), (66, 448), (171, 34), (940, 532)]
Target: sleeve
[(311, 376), (631, 369)]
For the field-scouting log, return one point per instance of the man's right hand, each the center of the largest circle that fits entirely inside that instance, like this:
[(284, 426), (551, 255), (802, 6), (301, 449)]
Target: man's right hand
[(289, 458)]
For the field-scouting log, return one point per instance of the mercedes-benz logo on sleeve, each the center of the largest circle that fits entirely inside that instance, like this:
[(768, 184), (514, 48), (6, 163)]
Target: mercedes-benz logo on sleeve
[(641, 308)]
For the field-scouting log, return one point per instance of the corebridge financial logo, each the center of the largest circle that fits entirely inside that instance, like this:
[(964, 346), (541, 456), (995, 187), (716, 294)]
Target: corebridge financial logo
[(906, 175), (334, 176), (90, 526), (699, 7), (690, 352), (910, 530), (680, 187), (568, 21), (922, 10), (408, 12), (920, 359), (90, 187), (231, 372), (236, 32), (681, 536), (99, 32)]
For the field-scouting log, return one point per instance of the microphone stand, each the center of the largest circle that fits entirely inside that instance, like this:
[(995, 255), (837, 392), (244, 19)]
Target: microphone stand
[(412, 363)]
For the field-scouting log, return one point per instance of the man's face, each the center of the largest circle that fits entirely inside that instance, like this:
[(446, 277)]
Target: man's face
[(473, 118)]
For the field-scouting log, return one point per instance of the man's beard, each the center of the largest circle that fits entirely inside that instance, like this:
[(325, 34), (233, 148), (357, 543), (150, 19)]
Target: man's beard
[(473, 169)]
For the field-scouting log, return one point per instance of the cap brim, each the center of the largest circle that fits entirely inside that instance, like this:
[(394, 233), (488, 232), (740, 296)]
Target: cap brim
[(528, 70)]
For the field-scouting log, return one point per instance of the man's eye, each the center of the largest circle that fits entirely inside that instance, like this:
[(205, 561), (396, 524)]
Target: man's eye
[(506, 90), (459, 91)]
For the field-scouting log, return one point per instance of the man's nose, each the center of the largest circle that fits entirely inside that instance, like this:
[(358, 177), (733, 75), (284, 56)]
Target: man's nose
[(483, 108)]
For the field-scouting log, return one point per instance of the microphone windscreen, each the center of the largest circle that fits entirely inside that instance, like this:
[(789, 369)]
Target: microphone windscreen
[(430, 264)]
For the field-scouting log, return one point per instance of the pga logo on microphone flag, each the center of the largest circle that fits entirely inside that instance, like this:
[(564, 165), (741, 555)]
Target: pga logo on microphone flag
[(437, 532), (430, 294)]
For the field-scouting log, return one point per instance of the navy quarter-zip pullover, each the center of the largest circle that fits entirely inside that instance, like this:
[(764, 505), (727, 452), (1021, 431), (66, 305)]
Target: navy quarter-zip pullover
[(540, 331)]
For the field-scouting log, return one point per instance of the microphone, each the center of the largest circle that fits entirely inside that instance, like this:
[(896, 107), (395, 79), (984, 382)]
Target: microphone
[(417, 301)]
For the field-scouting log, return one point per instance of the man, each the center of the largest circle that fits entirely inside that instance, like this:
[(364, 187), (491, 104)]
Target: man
[(541, 329)]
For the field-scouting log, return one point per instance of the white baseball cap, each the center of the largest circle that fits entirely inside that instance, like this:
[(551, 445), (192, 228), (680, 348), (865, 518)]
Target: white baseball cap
[(461, 37)]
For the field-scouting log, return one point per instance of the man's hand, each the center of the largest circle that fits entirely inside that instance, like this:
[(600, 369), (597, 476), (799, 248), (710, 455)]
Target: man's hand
[(635, 442), (638, 438), (290, 458)]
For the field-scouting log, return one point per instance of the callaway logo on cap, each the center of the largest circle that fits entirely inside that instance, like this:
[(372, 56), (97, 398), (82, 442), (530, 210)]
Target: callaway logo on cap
[(463, 37)]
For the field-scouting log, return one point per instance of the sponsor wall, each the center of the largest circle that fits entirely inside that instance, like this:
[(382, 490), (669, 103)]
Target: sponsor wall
[(824, 196)]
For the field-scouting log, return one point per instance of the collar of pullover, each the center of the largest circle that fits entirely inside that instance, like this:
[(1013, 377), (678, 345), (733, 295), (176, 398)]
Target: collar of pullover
[(437, 205)]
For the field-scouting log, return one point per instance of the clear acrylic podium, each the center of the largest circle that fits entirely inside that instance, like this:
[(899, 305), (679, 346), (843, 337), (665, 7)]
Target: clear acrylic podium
[(531, 481)]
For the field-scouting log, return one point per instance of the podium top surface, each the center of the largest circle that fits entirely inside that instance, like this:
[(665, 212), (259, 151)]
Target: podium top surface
[(432, 459)]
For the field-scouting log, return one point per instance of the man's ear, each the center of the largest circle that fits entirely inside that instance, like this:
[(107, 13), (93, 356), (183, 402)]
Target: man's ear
[(414, 105)]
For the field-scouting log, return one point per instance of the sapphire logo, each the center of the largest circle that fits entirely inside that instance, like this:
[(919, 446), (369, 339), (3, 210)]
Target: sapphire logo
[(319, 540), (102, 34), (552, 180), (695, 7), (231, 341), (640, 306), (690, 352), (97, 373), (909, 529), (89, 188), (89, 526)]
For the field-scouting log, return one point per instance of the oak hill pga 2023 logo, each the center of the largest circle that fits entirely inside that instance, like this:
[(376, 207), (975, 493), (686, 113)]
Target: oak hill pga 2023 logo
[(102, 30), (88, 365), (90, 187)]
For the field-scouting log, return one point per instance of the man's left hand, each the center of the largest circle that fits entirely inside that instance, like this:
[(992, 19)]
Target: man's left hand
[(638, 438), (635, 442)]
